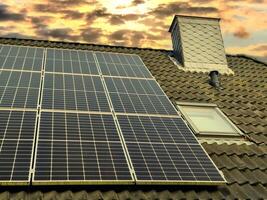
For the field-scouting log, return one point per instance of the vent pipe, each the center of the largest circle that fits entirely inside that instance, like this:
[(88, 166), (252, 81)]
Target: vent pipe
[(214, 79)]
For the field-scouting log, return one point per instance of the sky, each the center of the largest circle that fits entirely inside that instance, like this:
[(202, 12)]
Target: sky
[(137, 23)]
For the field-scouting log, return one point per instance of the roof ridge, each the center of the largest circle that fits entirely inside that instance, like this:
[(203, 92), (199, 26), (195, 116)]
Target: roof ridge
[(80, 43), (249, 57)]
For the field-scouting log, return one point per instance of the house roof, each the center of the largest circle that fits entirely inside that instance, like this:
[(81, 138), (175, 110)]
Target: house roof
[(243, 100)]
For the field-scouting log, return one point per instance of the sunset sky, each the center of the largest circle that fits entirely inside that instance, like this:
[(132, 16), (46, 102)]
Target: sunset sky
[(134, 22)]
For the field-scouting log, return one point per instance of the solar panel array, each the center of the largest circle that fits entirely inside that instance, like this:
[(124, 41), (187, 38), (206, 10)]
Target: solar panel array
[(83, 117)]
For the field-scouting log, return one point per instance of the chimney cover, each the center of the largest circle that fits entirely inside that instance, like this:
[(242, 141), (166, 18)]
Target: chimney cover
[(198, 44)]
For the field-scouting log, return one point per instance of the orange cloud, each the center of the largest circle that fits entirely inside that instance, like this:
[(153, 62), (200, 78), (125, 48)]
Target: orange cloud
[(241, 33), (130, 22)]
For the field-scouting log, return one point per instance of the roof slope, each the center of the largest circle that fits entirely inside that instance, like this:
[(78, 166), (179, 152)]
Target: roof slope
[(243, 100)]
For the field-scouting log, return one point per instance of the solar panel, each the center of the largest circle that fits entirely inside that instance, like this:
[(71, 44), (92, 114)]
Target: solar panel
[(19, 89), (114, 64), (138, 96), (163, 150), (16, 143), (79, 147), (70, 61), (21, 58), (74, 92), (102, 118)]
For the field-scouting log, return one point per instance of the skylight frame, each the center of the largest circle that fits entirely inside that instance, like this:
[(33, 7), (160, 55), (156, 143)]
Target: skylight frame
[(237, 132)]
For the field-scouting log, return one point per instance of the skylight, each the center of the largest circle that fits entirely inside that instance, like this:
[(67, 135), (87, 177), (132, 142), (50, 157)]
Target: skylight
[(208, 119)]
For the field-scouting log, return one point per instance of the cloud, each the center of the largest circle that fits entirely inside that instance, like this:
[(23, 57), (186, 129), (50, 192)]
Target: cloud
[(91, 35), (134, 3), (262, 47), (71, 14), (166, 10), (241, 33), (62, 6), (101, 12), (201, 1), (70, 2), (137, 2), (6, 15), (47, 8), (17, 35), (58, 33), (116, 20), (134, 38), (113, 19), (39, 22), (58, 5), (127, 37)]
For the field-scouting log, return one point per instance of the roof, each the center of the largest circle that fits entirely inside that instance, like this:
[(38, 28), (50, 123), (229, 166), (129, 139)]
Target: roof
[(243, 100)]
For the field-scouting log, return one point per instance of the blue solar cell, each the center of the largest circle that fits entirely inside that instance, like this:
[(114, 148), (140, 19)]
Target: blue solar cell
[(70, 61), (164, 149), (17, 130), (21, 58), (77, 146), (19, 89), (113, 64), (74, 92)]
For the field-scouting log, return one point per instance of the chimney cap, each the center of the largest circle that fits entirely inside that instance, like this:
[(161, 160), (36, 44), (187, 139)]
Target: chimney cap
[(191, 16)]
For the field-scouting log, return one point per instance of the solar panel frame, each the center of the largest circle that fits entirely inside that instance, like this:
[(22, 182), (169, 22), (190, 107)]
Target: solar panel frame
[(74, 93), (106, 70), (15, 60), (190, 182), (125, 148), (91, 68), (168, 182), (79, 182), (22, 96), (27, 143), (127, 97)]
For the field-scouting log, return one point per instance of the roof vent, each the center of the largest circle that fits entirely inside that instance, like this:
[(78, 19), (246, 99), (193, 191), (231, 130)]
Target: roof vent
[(198, 44), (214, 80)]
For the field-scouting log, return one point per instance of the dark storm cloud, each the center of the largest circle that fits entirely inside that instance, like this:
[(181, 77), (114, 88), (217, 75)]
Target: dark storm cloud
[(166, 10), (6, 15), (91, 35), (242, 33)]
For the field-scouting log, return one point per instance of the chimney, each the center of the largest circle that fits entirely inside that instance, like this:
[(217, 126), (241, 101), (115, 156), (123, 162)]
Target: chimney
[(198, 44)]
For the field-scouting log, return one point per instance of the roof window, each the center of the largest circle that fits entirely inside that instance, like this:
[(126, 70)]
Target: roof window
[(208, 120)]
